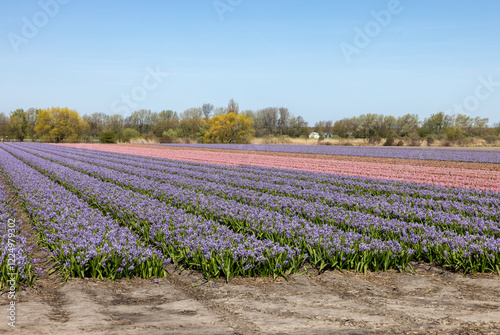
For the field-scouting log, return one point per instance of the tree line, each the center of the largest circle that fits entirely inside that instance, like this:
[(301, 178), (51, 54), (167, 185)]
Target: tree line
[(207, 124), (409, 125)]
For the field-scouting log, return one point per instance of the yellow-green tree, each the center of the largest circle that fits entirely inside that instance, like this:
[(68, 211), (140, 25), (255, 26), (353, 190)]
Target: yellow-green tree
[(59, 124), (229, 128)]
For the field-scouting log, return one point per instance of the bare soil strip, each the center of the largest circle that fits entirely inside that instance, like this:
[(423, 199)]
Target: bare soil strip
[(431, 301)]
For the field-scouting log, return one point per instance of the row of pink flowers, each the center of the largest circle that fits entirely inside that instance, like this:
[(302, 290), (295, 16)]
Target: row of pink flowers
[(451, 177)]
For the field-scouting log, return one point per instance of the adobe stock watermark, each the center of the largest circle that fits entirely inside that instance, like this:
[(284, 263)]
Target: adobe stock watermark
[(223, 6), (31, 27), (364, 36), (12, 273), (139, 93), (486, 87)]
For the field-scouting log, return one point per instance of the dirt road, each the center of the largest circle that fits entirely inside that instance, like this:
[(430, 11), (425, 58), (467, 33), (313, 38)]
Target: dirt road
[(432, 301)]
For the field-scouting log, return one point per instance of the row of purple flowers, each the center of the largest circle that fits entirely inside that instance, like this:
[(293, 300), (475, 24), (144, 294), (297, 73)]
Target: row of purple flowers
[(83, 241), (188, 239)]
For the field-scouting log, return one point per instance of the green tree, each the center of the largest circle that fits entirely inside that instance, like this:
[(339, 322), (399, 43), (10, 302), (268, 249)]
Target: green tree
[(345, 128), (407, 124), (167, 119), (18, 124), (435, 124), (107, 136), (368, 125), (4, 125), (128, 134), (453, 133), (190, 121), (229, 128), (31, 120)]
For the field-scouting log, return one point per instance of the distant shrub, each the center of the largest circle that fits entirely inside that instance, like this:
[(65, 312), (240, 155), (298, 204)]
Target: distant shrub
[(466, 141), (150, 136), (107, 136), (490, 139), (128, 134), (414, 139), (390, 142), (72, 139), (454, 133), (166, 139), (401, 143), (374, 140), (173, 134), (430, 140)]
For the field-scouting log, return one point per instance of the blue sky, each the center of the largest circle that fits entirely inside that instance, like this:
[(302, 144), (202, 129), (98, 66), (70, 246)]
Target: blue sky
[(422, 58)]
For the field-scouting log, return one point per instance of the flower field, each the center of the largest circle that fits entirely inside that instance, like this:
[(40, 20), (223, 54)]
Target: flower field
[(15, 264), (452, 154), (481, 176), (109, 215)]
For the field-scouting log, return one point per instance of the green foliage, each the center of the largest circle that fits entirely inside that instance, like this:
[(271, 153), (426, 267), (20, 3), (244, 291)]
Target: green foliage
[(491, 139), (4, 125), (107, 136), (18, 126), (167, 120), (415, 139), (453, 133), (435, 124), (191, 120), (173, 133), (128, 134)]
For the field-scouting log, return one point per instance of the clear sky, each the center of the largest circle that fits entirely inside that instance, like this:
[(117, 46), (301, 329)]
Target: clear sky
[(324, 60)]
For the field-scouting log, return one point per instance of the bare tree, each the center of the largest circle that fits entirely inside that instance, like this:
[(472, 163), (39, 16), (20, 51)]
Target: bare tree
[(269, 120), (115, 122), (143, 120), (97, 123), (232, 107), (283, 121), (31, 115), (220, 111), (207, 110)]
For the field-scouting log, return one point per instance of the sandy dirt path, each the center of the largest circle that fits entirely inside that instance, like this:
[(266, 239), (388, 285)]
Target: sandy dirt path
[(431, 301)]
